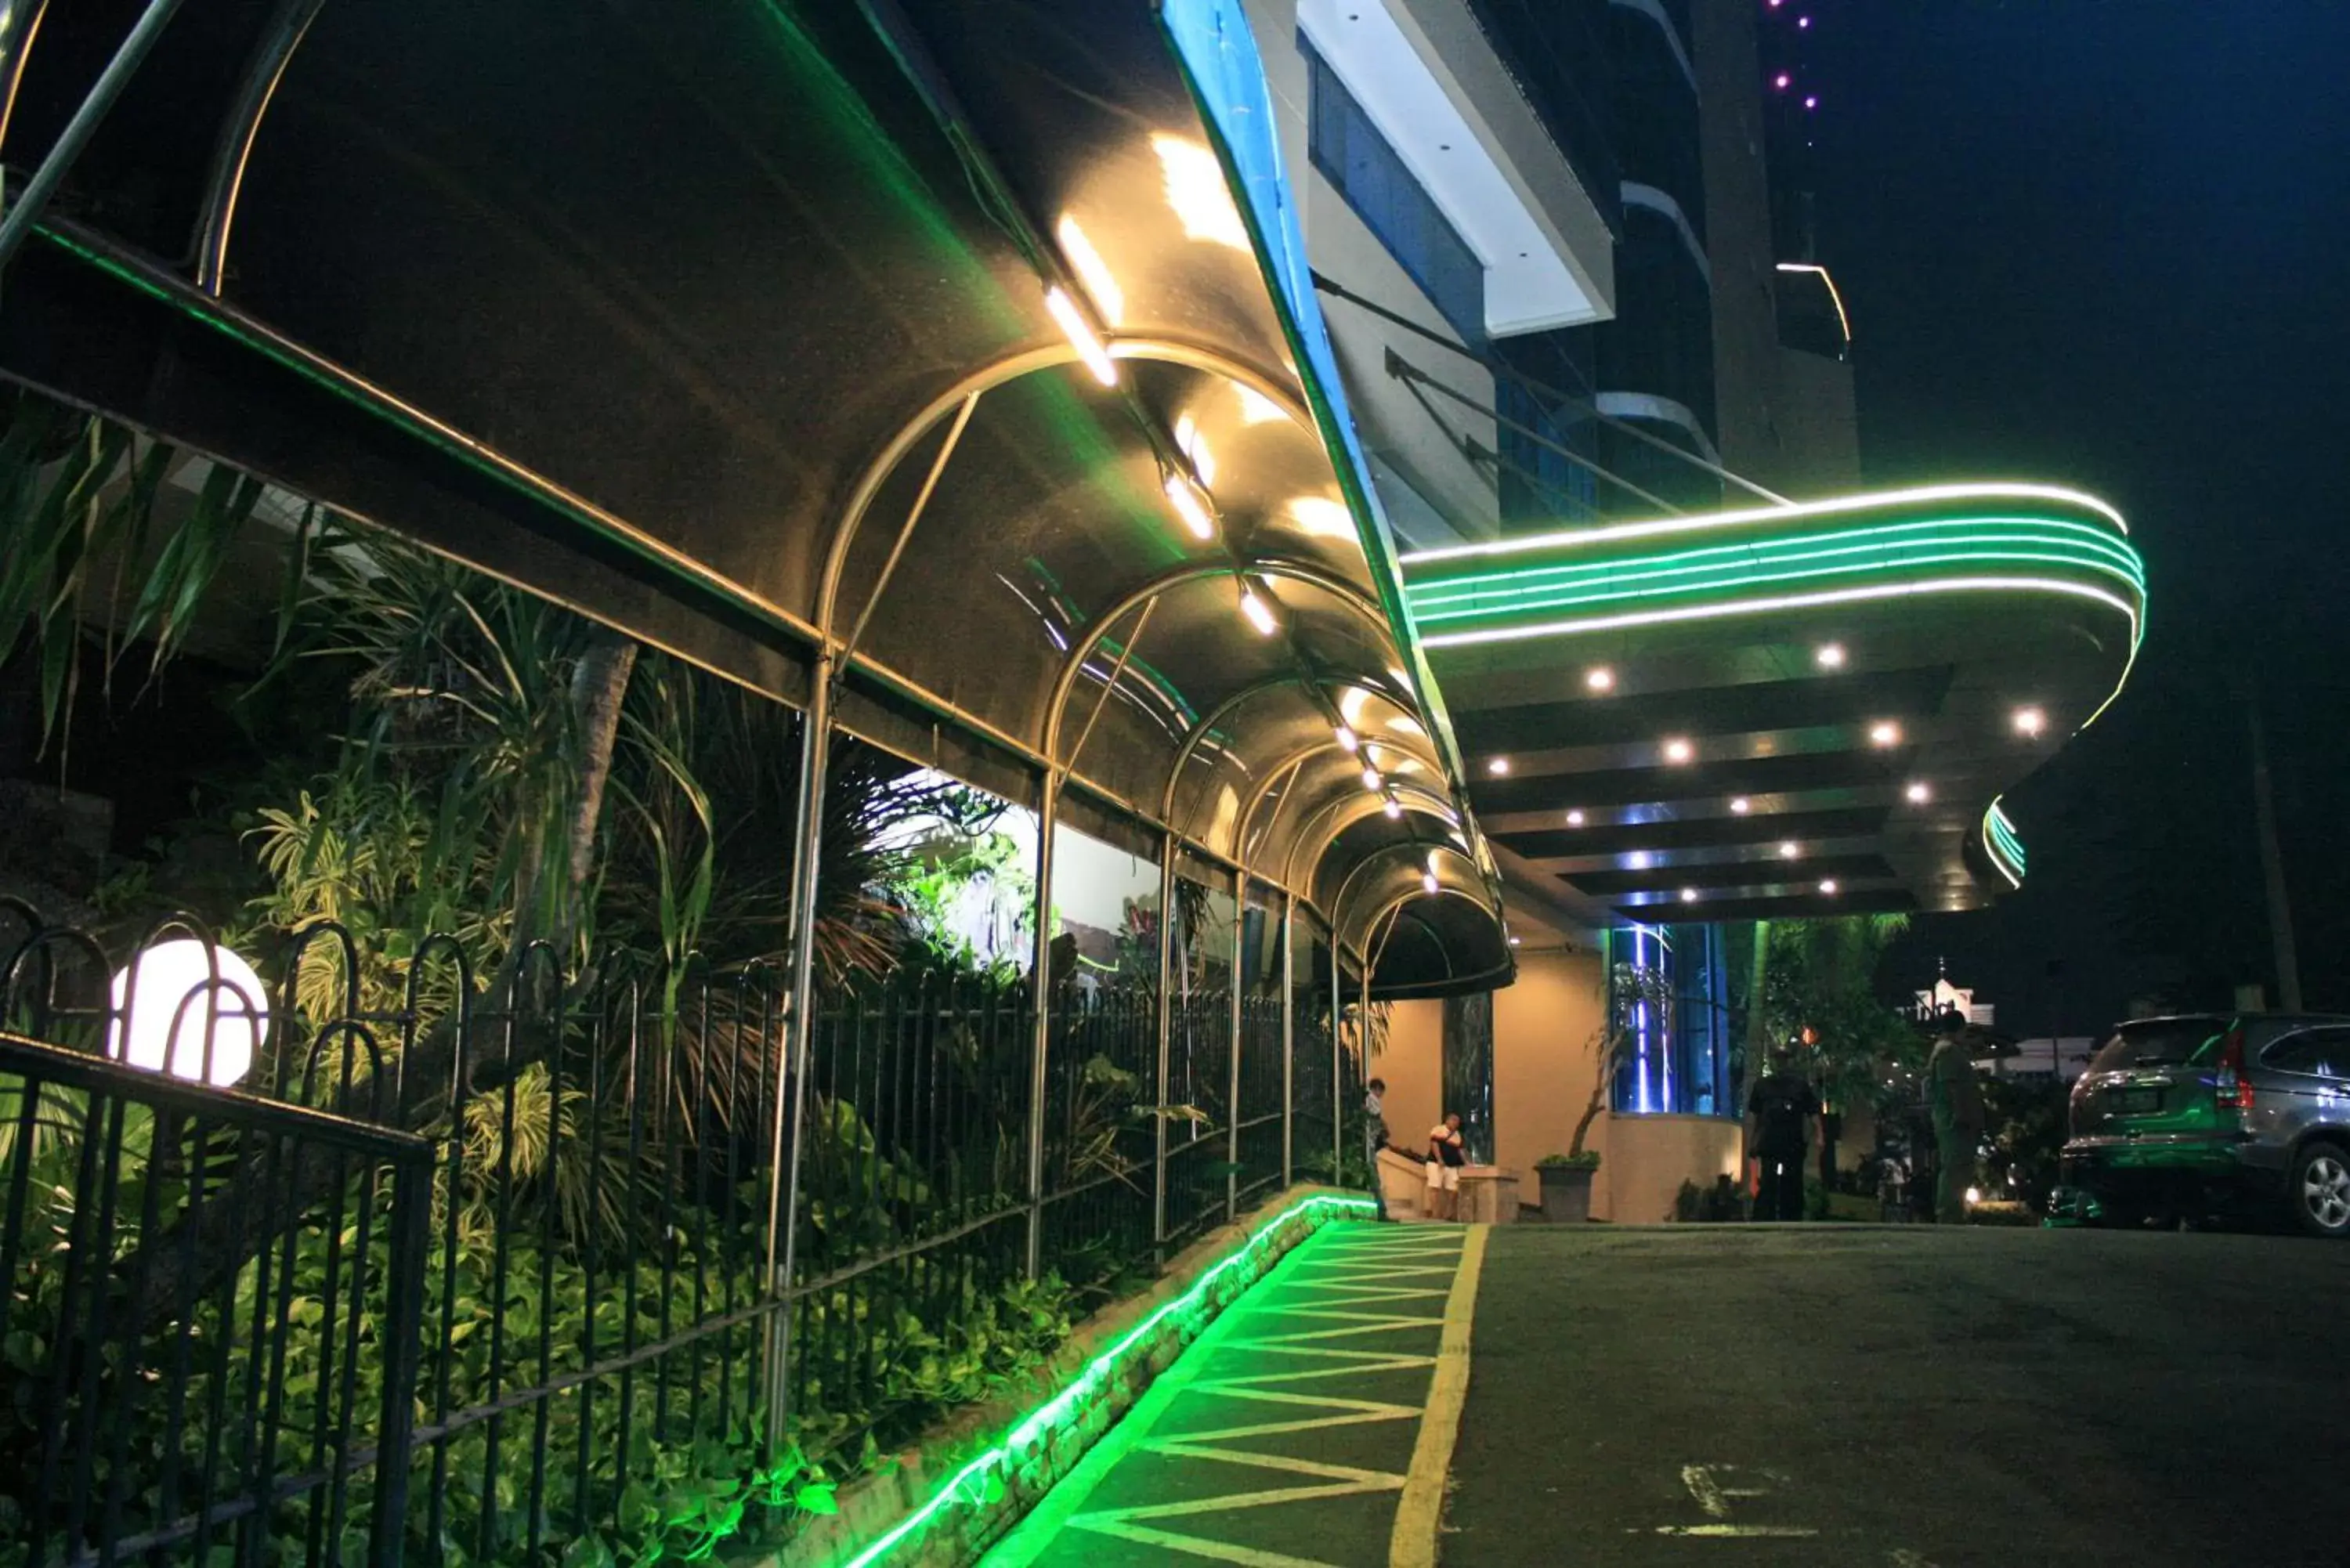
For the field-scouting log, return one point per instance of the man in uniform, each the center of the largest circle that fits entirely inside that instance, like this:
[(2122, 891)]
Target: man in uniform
[(1781, 1108), (1956, 1101)]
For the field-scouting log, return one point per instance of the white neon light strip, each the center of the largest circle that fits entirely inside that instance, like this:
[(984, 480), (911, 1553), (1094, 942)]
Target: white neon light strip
[(1576, 537), (1834, 293), (1786, 602)]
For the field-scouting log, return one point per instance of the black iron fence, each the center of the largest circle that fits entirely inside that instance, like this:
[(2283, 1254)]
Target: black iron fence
[(479, 1267)]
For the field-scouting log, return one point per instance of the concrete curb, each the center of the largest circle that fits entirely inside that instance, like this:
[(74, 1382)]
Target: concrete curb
[(872, 1507)]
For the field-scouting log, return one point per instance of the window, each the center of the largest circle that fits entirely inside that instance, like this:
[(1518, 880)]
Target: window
[(2320, 1052), (1354, 157), (2160, 1043), (1669, 993)]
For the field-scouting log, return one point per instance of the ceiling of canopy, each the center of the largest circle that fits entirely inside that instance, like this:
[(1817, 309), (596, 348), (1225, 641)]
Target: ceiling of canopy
[(1787, 711), (929, 338)]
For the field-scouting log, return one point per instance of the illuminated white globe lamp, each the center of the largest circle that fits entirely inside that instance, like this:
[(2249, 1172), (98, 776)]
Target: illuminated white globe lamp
[(161, 1034)]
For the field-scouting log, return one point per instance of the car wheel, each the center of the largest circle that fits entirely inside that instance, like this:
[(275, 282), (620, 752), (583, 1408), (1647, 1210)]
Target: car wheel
[(2319, 1191)]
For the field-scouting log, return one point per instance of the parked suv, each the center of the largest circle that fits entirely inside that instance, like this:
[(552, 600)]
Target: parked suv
[(2184, 1115)]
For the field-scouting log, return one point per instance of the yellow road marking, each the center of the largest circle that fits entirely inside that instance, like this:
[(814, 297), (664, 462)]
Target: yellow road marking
[(1235, 1499), (1421, 1510), (1183, 1450), (1200, 1547)]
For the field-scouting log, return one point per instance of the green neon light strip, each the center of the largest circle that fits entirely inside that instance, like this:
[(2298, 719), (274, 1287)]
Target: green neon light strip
[(1581, 538), (1866, 552), (2001, 843), (1891, 545), (1717, 610), (968, 1485)]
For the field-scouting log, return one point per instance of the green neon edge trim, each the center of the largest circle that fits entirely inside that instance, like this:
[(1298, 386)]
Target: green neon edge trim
[(1491, 597), (2001, 843), (958, 1488), (2008, 490), (1487, 592)]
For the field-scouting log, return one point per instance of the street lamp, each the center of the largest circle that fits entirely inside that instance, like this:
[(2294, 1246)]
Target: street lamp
[(163, 1000)]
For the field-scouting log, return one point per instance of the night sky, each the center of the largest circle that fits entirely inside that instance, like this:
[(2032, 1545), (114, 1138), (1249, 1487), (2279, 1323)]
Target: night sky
[(2108, 243)]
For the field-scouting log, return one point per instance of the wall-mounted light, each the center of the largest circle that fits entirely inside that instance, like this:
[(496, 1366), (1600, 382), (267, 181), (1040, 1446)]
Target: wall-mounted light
[(1184, 495), (1193, 445), (1081, 334), (1101, 284), (165, 990), (1258, 607)]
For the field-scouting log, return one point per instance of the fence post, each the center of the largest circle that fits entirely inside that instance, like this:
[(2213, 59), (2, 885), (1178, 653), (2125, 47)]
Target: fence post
[(799, 1026), (1041, 988), (409, 1235), (1232, 1093), (1288, 1040), (1339, 1067), (1166, 1034)]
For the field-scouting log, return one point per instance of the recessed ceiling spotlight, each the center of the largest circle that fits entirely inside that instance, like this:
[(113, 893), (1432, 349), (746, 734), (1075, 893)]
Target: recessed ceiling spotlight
[(1741, 807), (2031, 720), (1829, 655), (1575, 818), (1829, 887), (1885, 733), (1679, 751), (1599, 678), (1920, 793), (1789, 850), (1498, 766), (1689, 894)]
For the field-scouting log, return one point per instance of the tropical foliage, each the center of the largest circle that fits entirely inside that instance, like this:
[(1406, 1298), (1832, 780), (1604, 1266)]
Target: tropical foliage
[(489, 767)]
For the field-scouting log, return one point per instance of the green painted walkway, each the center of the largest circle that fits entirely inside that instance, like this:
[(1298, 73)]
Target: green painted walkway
[(1309, 1427)]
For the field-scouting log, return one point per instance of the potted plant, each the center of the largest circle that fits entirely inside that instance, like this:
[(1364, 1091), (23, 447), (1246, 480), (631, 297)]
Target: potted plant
[(1567, 1185), (1567, 1178)]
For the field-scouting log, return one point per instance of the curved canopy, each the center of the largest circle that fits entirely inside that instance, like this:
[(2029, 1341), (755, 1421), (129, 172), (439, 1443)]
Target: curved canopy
[(922, 345), (1784, 710)]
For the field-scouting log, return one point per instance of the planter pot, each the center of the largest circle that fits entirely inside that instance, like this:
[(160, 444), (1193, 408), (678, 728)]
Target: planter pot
[(1566, 1194)]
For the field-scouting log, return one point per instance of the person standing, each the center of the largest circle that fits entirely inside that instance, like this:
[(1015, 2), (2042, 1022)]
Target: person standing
[(1780, 1111), (1447, 1153), (1375, 1137), (1955, 1099)]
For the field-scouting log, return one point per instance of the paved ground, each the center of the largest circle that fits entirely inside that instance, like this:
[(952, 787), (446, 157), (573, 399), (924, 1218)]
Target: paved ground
[(1743, 1397), (1831, 1396), (1307, 1429)]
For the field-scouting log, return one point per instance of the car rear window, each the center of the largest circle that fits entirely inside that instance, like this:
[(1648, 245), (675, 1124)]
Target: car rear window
[(2167, 1042)]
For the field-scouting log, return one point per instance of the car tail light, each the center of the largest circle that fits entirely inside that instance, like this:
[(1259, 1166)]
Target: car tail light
[(2235, 1090)]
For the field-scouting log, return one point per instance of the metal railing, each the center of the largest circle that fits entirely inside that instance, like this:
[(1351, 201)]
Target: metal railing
[(472, 1266)]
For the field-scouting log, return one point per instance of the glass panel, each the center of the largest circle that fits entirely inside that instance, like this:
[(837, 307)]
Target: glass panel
[(1349, 150)]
